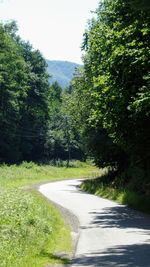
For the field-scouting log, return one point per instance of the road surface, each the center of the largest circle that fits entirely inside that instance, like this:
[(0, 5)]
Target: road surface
[(109, 234)]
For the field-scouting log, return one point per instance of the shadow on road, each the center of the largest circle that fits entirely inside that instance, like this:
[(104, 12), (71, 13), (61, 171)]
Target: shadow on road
[(136, 255), (119, 256), (120, 217)]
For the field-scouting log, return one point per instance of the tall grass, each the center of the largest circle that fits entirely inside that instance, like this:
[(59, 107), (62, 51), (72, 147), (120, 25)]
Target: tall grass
[(28, 229), (30, 173), (31, 230)]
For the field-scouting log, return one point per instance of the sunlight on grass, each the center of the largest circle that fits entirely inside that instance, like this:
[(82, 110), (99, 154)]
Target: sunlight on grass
[(30, 173), (30, 228), (32, 232)]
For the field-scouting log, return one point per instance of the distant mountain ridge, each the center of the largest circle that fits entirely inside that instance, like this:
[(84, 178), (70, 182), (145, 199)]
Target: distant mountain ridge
[(61, 71)]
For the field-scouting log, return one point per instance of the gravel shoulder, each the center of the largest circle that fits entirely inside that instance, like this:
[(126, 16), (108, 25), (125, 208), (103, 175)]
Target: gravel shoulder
[(73, 222)]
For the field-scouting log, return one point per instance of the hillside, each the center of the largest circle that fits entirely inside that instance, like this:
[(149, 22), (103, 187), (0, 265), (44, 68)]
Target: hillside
[(61, 71)]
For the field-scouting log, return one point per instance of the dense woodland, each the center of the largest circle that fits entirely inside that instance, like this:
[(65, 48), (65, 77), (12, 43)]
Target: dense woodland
[(112, 92), (104, 113), (33, 124)]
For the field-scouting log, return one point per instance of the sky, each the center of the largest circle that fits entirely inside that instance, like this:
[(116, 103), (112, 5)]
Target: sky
[(55, 27)]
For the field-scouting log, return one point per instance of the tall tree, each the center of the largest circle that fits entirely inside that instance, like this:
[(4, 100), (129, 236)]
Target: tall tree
[(63, 141), (24, 92), (117, 80), (13, 89), (34, 113)]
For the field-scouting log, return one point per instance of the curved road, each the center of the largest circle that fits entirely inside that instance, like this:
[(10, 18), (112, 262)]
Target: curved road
[(110, 234)]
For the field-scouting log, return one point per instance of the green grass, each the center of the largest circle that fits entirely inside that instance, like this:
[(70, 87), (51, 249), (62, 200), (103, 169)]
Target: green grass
[(30, 173), (29, 229), (32, 232), (106, 188)]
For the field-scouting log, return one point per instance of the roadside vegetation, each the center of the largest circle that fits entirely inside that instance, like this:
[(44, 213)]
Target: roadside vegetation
[(32, 232), (109, 186)]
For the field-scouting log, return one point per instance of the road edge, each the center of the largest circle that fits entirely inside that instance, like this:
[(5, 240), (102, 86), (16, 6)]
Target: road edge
[(72, 220)]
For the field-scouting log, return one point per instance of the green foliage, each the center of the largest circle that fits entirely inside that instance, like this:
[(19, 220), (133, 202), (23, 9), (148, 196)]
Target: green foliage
[(113, 89), (13, 90), (34, 124), (23, 97), (34, 112), (141, 4), (112, 61), (63, 140)]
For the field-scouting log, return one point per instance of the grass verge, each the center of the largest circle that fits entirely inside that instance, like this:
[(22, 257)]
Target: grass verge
[(32, 232), (28, 174), (104, 187)]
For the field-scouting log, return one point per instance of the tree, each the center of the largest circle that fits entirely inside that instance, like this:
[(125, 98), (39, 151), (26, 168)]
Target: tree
[(97, 143), (116, 78), (13, 89), (34, 112), (63, 140), (24, 92), (141, 4)]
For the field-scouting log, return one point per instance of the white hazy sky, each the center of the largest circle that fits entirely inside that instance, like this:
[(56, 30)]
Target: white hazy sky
[(55, 27)]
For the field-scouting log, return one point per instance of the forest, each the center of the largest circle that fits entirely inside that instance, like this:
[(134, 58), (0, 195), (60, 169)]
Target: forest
[(104, 114), (34, 125)]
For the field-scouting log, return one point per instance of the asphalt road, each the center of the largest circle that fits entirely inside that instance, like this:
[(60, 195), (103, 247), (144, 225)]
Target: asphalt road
[(109, 234)]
